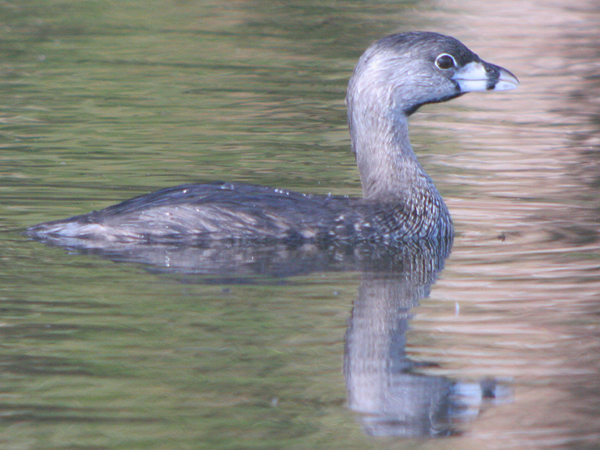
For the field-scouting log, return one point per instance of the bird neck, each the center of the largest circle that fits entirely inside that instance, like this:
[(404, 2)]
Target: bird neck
[(389, 169)]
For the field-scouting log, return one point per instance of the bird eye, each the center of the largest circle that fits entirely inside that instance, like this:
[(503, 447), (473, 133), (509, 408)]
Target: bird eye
[(445, 61)]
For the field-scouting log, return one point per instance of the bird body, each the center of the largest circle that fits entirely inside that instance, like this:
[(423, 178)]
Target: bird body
[(239, 212)]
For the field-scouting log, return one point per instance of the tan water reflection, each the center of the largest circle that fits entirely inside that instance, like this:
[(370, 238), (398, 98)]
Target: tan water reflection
[(525, 271)]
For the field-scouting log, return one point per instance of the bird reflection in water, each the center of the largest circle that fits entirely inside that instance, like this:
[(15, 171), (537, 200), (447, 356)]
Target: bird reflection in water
[(383, 384), (389, 391)]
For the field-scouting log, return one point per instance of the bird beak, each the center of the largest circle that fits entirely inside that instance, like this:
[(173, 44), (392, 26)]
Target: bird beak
[(482, 76)]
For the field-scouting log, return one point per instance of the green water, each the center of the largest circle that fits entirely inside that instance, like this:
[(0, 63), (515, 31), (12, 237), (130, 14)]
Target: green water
[(104, 100)]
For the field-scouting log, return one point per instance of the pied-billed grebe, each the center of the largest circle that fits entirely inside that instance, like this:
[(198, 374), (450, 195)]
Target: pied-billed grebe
[(392, 79)]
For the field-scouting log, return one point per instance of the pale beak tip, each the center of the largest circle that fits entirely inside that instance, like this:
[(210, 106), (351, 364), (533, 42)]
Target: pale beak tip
[(506, 81)]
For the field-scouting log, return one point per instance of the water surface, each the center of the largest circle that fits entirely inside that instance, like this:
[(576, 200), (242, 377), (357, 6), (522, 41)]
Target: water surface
[(104, 100)]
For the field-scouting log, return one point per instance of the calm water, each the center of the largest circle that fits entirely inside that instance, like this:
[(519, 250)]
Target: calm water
[(103, 100)]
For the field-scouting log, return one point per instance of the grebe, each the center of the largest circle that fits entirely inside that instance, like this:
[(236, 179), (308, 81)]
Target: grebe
[(393, 78)]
